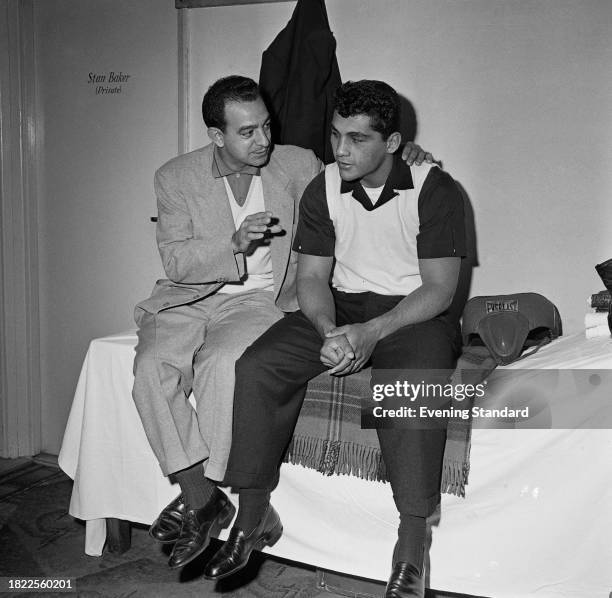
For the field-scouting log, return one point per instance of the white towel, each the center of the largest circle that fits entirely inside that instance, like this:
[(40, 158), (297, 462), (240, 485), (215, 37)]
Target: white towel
[(596, 331), (593, 319)]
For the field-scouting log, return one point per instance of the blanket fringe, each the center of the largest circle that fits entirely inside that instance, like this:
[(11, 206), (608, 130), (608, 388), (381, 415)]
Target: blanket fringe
[(331, 457), (348, 458), (454, 478)]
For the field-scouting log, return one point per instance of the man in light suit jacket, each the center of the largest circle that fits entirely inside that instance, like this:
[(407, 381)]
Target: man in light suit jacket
[(227, 214)]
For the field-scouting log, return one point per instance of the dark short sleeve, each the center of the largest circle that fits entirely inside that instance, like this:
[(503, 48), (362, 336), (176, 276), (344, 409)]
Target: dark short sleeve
[(315, 233), (442, 226)]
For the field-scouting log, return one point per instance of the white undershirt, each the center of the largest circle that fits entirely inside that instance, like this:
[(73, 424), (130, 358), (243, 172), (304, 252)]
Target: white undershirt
[(373, 193), (259, 263)]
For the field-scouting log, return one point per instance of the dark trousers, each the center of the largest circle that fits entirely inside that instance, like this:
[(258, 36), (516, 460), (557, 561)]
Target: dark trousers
[(271, 377)]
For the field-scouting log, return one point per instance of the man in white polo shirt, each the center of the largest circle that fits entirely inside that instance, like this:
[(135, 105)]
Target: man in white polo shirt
[(391, 237)]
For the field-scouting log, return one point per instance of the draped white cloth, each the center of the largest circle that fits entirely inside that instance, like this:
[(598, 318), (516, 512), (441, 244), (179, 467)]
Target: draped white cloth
[(536, 520)]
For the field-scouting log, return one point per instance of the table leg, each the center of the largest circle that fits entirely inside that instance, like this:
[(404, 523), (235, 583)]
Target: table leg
[(118, 535)]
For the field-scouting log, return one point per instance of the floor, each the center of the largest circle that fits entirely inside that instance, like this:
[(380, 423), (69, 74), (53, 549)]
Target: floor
[(39, 539)]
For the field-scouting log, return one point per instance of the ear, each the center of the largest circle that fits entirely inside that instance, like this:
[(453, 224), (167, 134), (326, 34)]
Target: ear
[(216, 136), (393, 142)]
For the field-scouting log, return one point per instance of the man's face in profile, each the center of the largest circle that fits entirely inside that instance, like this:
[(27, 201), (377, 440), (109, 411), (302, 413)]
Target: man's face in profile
[(247, 137), (358, 149)]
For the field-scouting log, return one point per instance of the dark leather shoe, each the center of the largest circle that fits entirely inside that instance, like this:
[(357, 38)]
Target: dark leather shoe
[(406, 581), (167, 526), (199, 525), (235, 553)]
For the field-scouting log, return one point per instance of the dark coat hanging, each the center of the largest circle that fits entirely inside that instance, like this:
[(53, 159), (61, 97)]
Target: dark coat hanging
[(299, 73)]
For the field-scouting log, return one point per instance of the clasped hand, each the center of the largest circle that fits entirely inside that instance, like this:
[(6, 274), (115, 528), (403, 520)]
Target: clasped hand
[(346, 349)]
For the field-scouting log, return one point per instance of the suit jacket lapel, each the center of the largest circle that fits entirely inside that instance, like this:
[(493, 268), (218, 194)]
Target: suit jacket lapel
[(278, 200), (215, 203)]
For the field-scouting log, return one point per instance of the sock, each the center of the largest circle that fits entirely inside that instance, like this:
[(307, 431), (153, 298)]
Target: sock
[(410, 547), (196, 489), (252, 505)]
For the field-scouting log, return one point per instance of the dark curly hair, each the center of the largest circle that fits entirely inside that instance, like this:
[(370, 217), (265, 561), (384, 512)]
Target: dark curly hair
[(373, 98), (228, 89)]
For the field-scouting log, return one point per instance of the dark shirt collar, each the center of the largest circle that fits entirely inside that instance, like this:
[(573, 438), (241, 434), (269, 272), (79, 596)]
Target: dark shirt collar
[(221, 169), (400, 177)]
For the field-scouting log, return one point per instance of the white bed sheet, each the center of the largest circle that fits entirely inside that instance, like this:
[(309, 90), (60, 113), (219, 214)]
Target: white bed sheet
[(537, 519)]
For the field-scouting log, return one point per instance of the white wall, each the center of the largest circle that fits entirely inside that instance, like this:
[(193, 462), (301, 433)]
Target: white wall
[(514, 96), (97, 247), (227, 40)]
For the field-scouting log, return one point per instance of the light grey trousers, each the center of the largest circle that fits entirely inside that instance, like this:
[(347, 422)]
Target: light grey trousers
[(194, 348)]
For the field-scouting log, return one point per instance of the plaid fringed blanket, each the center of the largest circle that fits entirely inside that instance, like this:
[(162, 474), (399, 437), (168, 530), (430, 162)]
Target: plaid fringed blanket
[(328, 436), (473, 366)]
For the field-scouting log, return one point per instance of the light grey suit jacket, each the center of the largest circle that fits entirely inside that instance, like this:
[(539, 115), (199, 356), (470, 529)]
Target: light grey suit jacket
[(195, 226)]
